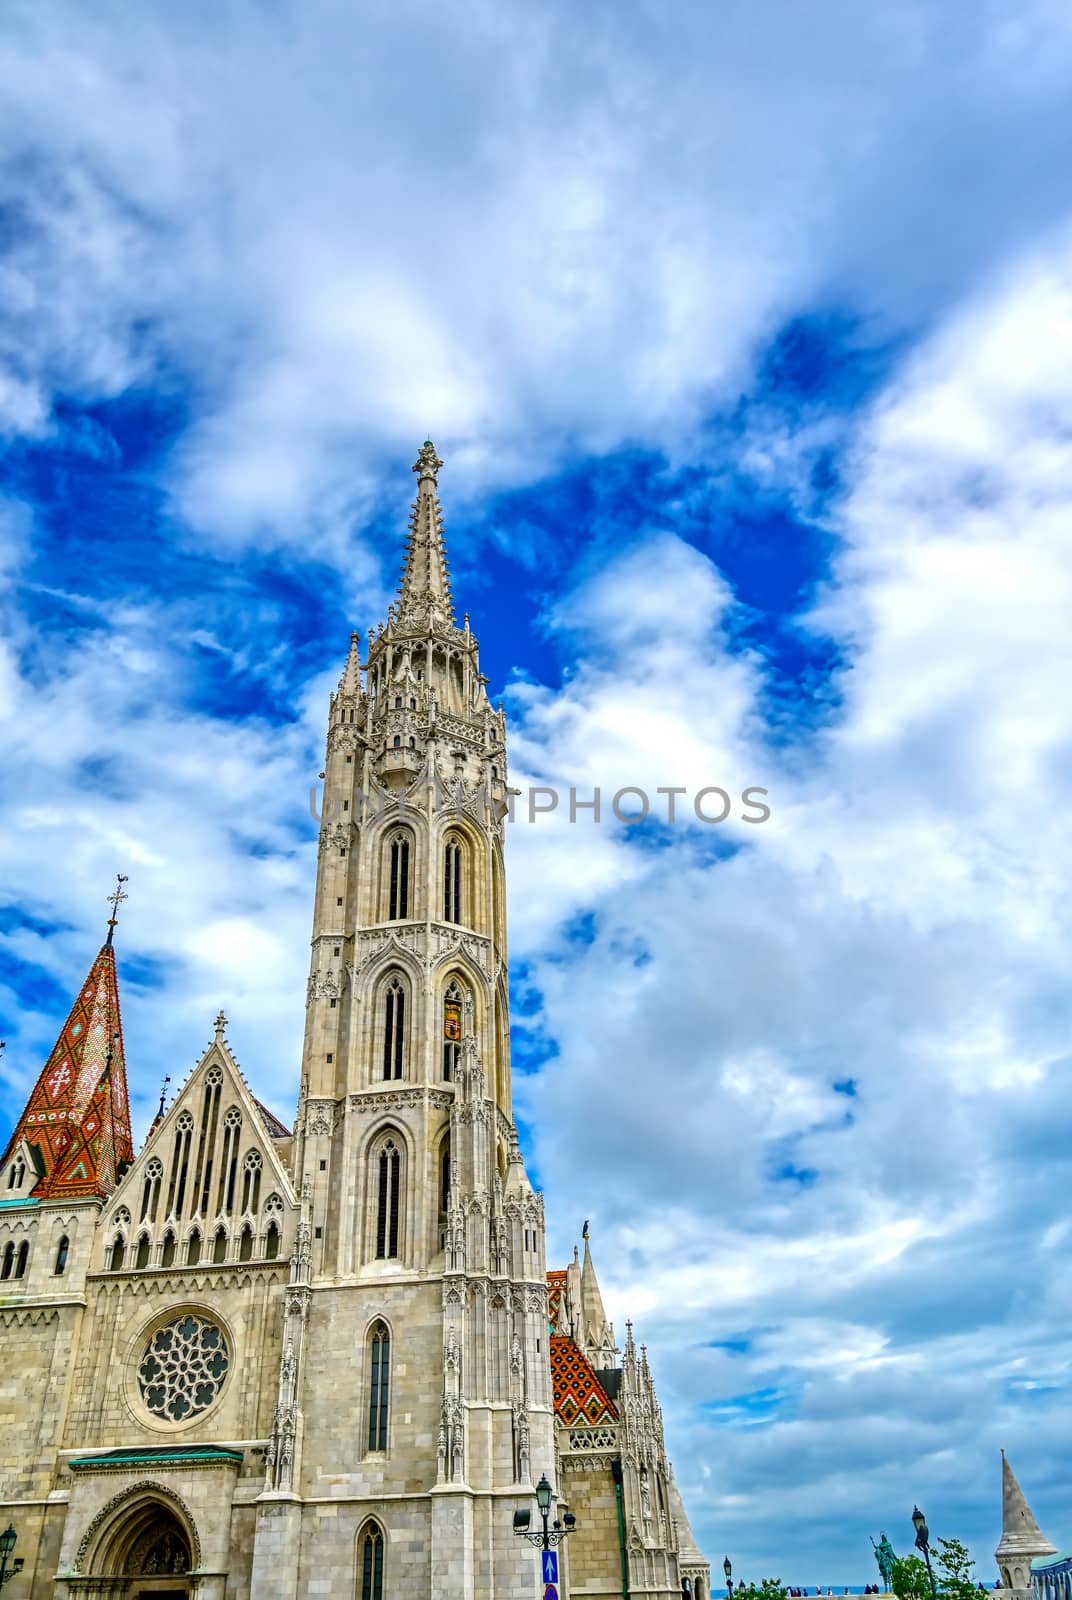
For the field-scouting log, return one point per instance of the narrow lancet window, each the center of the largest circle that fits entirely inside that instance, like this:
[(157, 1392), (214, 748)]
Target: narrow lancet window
[(398, 888), (379, 1386), (388, 1198), (371, 1560), (452, 881), (394, 1028)]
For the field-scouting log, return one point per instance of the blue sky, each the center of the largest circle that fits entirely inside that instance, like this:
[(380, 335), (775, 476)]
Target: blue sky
[(746, 336)]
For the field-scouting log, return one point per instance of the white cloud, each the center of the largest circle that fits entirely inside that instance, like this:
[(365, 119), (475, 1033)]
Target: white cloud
[(531, 239), (546, 240)]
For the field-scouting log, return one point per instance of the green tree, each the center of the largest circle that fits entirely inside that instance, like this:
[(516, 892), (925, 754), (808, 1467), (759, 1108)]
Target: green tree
[(953, 1578), (955, 1569), (910, 1580)]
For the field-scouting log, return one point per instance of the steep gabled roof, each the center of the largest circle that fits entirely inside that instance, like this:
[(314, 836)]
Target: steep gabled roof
[(78, 1116), (579, 1396)]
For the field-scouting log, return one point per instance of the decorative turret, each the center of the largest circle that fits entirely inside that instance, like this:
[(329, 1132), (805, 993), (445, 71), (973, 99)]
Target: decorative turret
[(1022, 1540), (76, 1123), (597, 1334)]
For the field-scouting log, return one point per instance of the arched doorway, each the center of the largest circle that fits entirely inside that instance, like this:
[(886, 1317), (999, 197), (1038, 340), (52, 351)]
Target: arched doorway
[(145, 1544)]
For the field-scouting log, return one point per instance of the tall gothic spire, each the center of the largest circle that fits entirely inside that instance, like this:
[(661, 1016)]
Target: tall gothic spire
[(77, 1117), (424, 595)]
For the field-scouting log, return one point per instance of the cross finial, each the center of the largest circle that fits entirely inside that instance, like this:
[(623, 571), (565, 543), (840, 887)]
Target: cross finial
[(221, 1023), (115, 900)]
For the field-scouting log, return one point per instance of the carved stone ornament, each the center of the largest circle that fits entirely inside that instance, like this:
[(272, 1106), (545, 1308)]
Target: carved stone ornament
[(297, 1303), (322, 986), (333, 838), (146, 1488), (320, 1118)]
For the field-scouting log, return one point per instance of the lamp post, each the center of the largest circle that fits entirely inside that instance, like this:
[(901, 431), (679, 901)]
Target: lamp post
[(7, 1544), (727, 1567), (923, 1543), (548, 1537)]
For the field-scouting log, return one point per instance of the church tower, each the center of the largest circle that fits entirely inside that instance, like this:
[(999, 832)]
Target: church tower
[(414, 1392)]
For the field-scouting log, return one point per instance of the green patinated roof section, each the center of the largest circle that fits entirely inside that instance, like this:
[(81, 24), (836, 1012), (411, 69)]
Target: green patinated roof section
[(158, 1454), (1041, 1563)]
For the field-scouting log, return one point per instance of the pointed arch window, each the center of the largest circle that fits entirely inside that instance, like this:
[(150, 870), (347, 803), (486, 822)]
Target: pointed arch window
[(379, 1385), (453, 1001), (453, 863), (22, 1258), (150, 1191), (370, 1563), (62, 1251), (9, 1260), (232, 1132), (206, 1147), (193, 1249), (245, 1244), (180, 1162), (394, 1027), (115, 1259), (219, 1246), (251, 1181), (141, 1258), (271, 1242), (167, 1254), (388, 1200), (398, 878)]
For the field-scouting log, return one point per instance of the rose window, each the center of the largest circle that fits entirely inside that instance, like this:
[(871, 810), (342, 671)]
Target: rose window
[(183, 1369)]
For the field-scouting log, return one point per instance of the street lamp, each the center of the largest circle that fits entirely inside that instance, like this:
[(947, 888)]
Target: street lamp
[(923, 1543), (7, 1544), (727, 1567), (547, 1538)]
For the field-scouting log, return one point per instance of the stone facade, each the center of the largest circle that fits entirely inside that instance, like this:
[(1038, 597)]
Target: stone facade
[(250, 1361)]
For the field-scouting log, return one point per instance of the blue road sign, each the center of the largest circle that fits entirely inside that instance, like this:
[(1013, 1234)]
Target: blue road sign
[(550, 1592), (550, 1568)]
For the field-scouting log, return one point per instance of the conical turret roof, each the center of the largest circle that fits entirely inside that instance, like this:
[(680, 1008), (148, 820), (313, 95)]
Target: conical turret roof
[(1020, 1533), (78, 1117)]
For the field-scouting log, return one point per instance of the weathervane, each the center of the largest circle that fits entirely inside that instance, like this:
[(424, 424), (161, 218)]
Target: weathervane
[(163, 1092), (115, 899)]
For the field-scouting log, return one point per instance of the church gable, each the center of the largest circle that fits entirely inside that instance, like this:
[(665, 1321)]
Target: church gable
[(209, 1186)]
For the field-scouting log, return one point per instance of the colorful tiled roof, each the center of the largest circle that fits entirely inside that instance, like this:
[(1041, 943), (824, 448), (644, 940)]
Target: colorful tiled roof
[(556, 1288), (579, 1396), (78, 1116)]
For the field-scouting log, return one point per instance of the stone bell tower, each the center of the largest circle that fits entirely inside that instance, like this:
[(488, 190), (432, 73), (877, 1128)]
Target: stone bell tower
[(414, 1409)]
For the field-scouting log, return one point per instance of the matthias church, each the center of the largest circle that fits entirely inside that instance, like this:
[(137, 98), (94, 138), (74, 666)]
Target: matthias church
[(330, 1360)]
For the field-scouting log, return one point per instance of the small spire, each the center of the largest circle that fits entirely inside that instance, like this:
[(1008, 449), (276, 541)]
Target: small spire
[(115, 899), (350, 682), (424, 592), (221, 1025), (163, 1092)]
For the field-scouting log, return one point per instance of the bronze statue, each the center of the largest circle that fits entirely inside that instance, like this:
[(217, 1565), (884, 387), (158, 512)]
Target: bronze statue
[(885, 1557)]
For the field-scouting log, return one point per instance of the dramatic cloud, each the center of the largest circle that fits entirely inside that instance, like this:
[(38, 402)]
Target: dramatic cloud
[(747, 334)]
